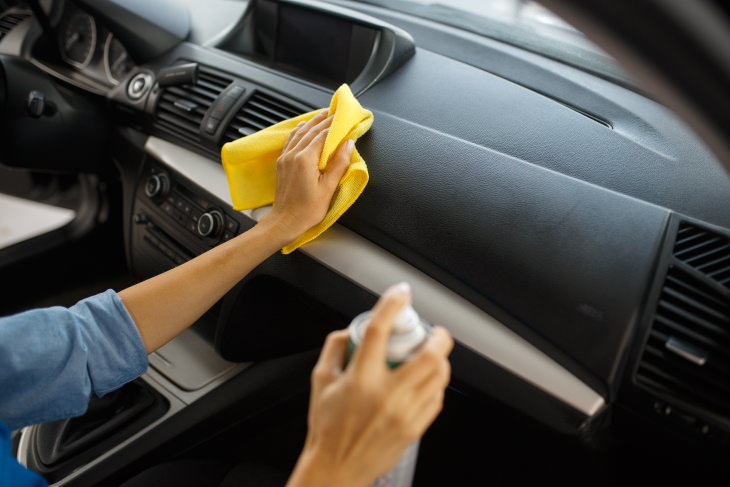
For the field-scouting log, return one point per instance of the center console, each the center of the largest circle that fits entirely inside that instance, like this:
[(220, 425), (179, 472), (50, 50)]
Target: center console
[(173, 222)]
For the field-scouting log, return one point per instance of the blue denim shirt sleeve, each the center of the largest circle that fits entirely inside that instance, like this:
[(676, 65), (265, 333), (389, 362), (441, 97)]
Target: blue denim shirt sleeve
[(53, 359)]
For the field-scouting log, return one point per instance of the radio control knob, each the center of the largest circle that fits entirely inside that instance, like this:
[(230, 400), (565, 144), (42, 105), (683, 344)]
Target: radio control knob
[(210, 224), (157, 186)]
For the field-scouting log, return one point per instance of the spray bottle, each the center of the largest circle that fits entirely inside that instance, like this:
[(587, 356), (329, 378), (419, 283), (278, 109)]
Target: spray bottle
[(409, 333)]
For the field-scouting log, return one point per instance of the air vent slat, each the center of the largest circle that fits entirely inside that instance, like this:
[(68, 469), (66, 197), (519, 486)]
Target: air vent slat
[(218, 80), (692, 312), (9, 21), (717, 266), (685, 302), (177, 121), (691, 252), (274, 109), (710, 253), (206, 89), (266, 119), (705, 250), (676, 327), (689, 315), (194, 118), (259, 112), (690, 238), (691, 287), (249, 122), (175, 93), (723, 277), (180, 109)]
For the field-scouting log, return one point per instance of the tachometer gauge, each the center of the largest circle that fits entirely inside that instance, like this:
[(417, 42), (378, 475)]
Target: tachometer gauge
[(78, 39), (117, 62)]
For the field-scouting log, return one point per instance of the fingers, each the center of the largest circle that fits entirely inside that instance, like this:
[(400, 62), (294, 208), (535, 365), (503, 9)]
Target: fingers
[(288, 142), (316, 145), (424, 412), (338, 165), (306, 134), (301, 129), (371, 352), (331, 360), (428, 359)]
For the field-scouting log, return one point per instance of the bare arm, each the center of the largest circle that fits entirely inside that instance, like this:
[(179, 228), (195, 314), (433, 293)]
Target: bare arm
[(163, 306)]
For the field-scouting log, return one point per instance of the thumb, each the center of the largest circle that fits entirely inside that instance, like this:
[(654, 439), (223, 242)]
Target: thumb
[(337, 167)]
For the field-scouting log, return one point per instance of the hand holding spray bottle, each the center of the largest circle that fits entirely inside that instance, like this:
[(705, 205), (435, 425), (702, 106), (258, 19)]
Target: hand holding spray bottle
[(408, 334)]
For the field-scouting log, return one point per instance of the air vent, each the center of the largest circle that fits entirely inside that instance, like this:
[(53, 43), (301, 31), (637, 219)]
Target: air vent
[(180, 109), (706, 251), (9, 21), (259, 112), (687, 354)]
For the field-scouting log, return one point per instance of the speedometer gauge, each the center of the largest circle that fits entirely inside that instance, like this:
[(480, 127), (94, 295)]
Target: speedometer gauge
[(78, 39), (117, 62)]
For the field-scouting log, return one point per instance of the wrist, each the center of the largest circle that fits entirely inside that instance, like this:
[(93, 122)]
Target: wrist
[(312, 470), (280, 227)]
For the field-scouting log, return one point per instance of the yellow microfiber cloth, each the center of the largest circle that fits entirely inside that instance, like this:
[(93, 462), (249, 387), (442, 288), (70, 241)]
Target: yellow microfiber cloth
[(250, 162)]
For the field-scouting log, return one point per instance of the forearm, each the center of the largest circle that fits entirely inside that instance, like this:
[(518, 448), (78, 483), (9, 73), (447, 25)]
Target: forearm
[(163, 306)]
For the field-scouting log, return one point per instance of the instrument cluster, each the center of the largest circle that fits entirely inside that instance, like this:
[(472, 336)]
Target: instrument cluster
[(91, 48)]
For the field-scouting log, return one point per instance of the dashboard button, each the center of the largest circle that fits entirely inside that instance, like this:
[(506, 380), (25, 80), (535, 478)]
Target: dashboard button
[(212, 125), (139, 85), (231, 225), (157, 186), (236, 91), (210, 224)]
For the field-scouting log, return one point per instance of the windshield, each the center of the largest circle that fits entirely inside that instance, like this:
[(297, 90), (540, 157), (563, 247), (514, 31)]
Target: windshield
[(521, 23)]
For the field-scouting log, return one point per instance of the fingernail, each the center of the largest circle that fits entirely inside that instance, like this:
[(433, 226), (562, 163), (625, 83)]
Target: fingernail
[(402, 289), (350, 145)]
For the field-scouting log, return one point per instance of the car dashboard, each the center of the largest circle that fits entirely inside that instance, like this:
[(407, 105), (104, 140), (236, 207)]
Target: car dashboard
[(570, 232)]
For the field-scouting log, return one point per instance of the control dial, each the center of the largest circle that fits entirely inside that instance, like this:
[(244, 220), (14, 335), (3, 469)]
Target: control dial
[(158, 185), (210, 224)]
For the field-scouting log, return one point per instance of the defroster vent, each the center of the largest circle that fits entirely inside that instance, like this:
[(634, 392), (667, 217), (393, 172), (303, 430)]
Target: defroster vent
[(259, 112), (180, 109), (9, 21), (687, 354)]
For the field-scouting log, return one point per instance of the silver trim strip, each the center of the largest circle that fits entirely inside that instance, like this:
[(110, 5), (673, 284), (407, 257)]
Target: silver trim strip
[(375, 269)]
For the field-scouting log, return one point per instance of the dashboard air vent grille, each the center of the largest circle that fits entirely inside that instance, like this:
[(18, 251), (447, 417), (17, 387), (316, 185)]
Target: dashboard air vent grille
[(9, 21), (706, 251), (180, 109), (687, 354), (260, 111)]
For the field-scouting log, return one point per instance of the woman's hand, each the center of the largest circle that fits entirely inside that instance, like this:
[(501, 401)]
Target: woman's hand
[(303, 192), (362, 418)]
